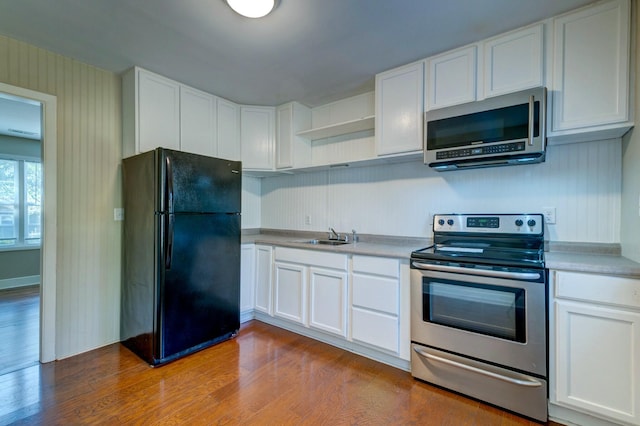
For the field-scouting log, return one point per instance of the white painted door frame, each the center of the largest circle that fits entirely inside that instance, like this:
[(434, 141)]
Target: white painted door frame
[(49, 208)]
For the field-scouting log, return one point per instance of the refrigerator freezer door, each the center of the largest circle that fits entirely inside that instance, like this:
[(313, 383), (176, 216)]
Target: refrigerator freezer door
[(197, 184), (200, 294)]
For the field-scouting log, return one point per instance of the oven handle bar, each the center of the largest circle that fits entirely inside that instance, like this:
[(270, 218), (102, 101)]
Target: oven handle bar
[(483, 272), (529, 383)]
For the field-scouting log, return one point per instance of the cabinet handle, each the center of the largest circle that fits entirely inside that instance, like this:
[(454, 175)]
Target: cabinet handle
[(528, 383)]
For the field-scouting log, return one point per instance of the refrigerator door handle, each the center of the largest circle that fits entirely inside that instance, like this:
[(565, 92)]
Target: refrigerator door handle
[(169, 185), (168, 254)]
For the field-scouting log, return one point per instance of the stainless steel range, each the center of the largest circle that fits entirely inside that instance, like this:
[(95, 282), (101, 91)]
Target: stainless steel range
[(479, 310)]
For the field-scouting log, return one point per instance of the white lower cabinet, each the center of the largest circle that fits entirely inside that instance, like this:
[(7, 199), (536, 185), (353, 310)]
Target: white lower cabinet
[(375, 302), (290, 291), (328, 300), (360, 303), (314, 280), (247, 281), (595, 342), (264, 265)]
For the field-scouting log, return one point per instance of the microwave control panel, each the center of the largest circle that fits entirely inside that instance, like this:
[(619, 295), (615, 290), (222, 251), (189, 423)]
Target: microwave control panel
[(481, 150)]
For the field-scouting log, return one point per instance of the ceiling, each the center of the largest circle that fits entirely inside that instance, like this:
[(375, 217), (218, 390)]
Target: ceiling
[(311, 51)]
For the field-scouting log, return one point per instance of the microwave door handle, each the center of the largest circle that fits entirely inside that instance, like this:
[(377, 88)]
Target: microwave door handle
[(531, 117)]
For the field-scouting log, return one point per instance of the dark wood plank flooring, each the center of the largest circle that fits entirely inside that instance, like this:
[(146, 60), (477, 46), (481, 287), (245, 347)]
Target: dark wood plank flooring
[(265, 376), (19, 328)]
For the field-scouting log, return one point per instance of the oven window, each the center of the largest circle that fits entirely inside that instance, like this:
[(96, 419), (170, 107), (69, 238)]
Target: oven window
[(480, 308)]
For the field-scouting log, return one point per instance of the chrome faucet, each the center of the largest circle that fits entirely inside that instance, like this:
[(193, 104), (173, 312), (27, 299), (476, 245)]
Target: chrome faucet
[(333, 233)]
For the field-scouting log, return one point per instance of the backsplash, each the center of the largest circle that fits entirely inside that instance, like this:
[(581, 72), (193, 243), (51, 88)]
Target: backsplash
[(582, 181)]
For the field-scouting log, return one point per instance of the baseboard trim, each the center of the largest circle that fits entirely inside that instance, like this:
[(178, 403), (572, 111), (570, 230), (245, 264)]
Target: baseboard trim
[(19, 282), (339, 342)]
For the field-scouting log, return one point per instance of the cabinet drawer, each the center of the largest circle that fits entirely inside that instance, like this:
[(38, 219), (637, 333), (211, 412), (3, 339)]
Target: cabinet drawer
[(312, 258), (376, 266), (375, 329), (376, 293), (598, 288)]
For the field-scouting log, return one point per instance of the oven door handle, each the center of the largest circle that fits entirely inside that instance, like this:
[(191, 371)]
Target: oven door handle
[(525, 276), (528, 383)]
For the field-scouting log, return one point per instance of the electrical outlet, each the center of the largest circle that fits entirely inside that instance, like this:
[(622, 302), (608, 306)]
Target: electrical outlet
[(549, 215), (118, 214), (307, 219)]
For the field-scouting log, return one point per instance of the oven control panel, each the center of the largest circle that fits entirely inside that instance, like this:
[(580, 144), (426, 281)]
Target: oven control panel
[(529, 224)]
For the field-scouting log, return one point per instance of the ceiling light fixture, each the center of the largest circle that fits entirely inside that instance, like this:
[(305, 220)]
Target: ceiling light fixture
[(252, 8)]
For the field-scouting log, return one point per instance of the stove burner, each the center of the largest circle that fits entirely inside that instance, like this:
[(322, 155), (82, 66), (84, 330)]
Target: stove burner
[(507, 244)]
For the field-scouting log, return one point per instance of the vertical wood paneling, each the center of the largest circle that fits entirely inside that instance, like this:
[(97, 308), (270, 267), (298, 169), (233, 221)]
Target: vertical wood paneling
[(581, 180), (89, 187)]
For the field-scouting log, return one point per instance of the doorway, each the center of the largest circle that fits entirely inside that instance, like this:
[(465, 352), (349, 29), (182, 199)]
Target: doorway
[(48, 237), (20, 231)]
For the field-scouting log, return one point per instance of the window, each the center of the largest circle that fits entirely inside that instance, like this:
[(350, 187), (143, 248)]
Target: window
[(20, 202)]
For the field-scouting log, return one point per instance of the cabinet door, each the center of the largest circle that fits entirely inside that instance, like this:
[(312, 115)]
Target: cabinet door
[(197, 122), (399, 109), (247, 278), (264, 259), (374, 311), (292, 150), (591, 67), (257, 136), (328, 300), (284, 136), (597, 366), (228, 130), (158, 112), (451, 78), (290, 291), (513, 61)]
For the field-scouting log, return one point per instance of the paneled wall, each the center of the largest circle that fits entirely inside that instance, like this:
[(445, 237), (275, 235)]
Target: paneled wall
[(630, 224), (89, 187), (250, 202), (581, 180)]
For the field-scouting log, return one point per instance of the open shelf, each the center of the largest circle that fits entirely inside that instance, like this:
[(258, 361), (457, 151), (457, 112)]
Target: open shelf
[(352, 126)]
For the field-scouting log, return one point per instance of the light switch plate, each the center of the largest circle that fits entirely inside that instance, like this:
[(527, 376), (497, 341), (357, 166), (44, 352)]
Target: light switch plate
[(118, 214)]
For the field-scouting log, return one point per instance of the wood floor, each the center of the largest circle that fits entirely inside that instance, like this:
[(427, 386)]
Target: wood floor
[(19, 328), (265, 376)]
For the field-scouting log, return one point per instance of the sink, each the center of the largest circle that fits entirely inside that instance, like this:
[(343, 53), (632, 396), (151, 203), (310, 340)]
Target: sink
[(328, 242)]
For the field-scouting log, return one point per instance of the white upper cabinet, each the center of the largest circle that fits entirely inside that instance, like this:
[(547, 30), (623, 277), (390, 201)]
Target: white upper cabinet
[(291, 149), (399, 109), (514, 61), (451, 78), (151, 112), (257, 134), (159, 112), (228, 129), (197, 122), (591, 71)]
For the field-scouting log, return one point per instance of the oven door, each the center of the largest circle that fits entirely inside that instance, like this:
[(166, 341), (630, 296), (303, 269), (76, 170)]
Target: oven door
[(495, 316)]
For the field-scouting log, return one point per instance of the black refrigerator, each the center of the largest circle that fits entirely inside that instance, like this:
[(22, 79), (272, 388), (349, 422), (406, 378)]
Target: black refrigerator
[(181, 266)]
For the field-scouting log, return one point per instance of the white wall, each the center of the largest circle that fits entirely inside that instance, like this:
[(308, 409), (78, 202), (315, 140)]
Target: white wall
[(89, 152), (250, 202), (630, 224), (581, 180)]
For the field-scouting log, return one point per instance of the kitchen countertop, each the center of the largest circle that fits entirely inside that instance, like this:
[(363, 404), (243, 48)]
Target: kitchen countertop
[(368, 245), (589, 258)]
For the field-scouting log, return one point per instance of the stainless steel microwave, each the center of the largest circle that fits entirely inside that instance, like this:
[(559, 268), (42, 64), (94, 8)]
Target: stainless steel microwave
[(500, 131)]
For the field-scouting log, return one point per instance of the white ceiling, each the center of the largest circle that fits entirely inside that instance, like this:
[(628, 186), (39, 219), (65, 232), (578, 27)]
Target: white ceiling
[(312, 51)]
